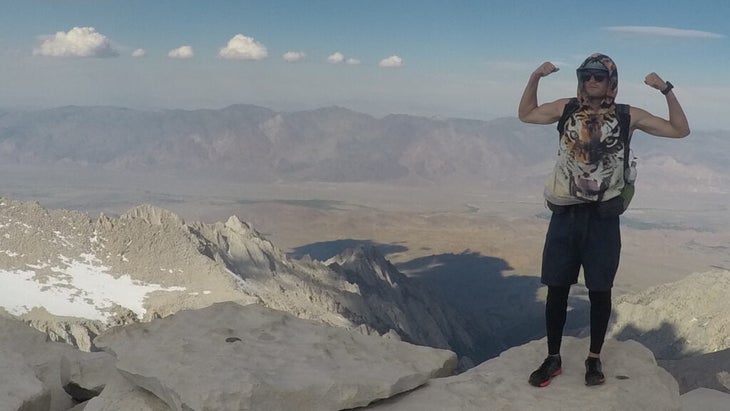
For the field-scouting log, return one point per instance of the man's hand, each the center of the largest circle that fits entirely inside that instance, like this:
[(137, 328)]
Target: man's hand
[(653, 80), (547, 68)]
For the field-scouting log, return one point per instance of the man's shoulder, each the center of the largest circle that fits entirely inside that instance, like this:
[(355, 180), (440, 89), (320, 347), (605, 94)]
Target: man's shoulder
[(566, 100), (567, 103), (638, 113), (638, 110)]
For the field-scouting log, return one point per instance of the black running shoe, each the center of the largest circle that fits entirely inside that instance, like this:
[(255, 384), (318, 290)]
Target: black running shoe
[(550, 368), (594, 376)]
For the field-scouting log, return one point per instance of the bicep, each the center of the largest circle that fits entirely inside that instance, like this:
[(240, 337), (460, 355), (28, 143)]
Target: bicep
[(547, 113), (651, 124)]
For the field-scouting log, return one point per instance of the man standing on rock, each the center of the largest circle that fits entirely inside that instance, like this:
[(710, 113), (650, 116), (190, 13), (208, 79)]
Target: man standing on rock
[(584, 192)]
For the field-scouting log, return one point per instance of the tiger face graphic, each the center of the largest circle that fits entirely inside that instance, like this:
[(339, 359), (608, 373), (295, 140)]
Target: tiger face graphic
[(591, 151)]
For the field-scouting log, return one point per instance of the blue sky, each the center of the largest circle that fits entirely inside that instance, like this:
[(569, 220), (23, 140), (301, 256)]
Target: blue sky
[(436, 58)]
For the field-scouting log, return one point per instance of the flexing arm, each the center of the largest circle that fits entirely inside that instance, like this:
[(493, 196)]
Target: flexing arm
[(530, 111), (677, 125)]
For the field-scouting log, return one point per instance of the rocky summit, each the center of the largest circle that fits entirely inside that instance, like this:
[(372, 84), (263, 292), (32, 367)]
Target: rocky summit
[(232, 357)]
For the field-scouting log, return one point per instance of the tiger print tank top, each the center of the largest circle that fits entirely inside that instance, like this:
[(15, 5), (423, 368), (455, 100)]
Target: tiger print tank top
[(590, 160)]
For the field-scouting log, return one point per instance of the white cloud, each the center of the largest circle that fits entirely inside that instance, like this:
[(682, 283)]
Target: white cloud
[(183, 52), (293, 56), (77, 42), (139, 53), (664, 32), (391, 62), (336, 58), (241, 47)]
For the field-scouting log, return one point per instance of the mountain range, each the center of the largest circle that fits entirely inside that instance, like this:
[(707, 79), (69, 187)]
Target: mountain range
[(333, 144)]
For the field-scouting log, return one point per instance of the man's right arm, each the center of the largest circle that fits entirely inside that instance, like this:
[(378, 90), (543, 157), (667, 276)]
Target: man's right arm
[(529, 110)]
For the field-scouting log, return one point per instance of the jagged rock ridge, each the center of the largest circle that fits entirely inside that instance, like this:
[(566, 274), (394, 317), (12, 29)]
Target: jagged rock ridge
[(158, 264), (419, 314)]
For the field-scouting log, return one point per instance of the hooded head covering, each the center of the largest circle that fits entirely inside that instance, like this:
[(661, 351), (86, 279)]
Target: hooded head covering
[(601, 62)]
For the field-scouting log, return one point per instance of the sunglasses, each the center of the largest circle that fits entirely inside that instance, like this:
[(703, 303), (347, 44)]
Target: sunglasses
[(598, 76)]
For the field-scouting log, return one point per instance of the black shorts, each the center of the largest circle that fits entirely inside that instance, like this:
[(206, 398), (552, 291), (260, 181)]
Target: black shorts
[(579, 236)]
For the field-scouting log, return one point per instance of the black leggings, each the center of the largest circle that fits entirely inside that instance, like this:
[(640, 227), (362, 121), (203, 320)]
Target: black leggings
[(556, 311)]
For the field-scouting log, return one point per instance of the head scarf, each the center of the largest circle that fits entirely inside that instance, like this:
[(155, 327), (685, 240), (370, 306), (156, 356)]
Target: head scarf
[(599, 60)]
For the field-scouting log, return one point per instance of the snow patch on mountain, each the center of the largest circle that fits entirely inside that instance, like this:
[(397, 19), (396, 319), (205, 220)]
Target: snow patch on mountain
[(82, 289)]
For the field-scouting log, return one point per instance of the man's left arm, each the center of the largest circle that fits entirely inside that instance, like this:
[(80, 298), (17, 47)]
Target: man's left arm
[(677, 125)]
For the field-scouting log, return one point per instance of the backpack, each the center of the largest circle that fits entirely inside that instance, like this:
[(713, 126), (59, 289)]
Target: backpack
[(624, 121)]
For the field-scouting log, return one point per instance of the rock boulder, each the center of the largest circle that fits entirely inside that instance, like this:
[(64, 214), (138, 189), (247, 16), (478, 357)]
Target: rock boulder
[(231, 357), (633, 382)]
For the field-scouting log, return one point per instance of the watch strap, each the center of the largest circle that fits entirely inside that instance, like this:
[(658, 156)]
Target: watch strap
[(668, 88)]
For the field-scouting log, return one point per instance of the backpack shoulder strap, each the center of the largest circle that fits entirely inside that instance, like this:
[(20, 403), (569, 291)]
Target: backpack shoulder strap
[(624, 121), (570, 107)]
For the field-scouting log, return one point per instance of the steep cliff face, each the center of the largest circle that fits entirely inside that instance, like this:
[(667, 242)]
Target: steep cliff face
[(78, 276), (396, 303)]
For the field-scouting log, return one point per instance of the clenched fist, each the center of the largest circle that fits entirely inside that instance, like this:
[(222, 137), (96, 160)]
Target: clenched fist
[(653, 80), (545, 69)]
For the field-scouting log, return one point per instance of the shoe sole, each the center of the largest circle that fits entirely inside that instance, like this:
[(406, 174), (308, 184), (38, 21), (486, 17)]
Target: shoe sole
[(547, 382), (599, 382)]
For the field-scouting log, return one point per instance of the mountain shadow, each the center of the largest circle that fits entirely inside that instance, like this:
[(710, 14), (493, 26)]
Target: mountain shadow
[(692, 369), (503, 310), (325, 250), (664, 341)]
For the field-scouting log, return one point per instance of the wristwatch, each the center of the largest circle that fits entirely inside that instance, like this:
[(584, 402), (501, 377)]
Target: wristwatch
[(668, 88)]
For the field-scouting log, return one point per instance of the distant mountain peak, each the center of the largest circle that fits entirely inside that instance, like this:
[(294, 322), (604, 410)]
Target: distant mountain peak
[(152, 215)]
